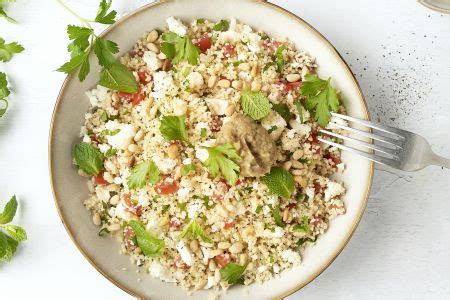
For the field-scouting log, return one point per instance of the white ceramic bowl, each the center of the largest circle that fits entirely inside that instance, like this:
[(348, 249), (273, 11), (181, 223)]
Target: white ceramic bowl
[(70, 189)]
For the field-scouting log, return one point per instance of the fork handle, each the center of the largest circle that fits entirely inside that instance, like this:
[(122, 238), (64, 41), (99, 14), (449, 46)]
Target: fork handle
[(440, 161)]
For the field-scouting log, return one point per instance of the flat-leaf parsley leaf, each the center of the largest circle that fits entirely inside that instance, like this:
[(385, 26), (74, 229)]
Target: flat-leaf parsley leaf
[(177, 48), (193, 230), (8, 50), (232, 273), (142, 172), (223, 158), (173, 128), (149, 244)]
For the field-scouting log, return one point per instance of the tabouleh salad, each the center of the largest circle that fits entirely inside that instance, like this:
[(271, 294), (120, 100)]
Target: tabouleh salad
[(211, 174)]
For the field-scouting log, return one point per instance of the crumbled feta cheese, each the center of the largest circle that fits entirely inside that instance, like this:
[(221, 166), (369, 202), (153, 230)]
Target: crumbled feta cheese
[(122, 213), (97, 95), (219, 106), (102, 193), (86, 139), (163, 85), (279, 232), (179, 106), (143, 198), (202, 154), (302, 129), (187, 161), (276, 268), (273, 119), (192, 209), (183, 192), (211, 282), (152, 60), (176, 26), (291, 256), (103, 147), (262, 269), (159, 271), (205, 252), (122, 139), (340, 167), (195, 80), (273, 200), (333, 189), (254, 42), (184, 253), (255, 185), (165, 165), (310, 192)]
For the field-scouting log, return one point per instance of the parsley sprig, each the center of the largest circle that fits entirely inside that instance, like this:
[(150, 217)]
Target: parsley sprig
[(321, 98), (223, 158), (3, 13), (177, 48), (10, 235), (114, 75), (233, 273), (141, 173), (193, 231)]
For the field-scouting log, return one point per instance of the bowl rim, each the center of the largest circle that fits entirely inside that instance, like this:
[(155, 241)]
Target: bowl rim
[(289, 14)]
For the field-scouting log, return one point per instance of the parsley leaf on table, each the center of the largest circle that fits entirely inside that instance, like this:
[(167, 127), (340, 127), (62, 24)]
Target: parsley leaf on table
[(173, 128), (193, 230), (3, 13), (280, 182), (222, 158), (8, 50), (321, 98), (114, 75), (232, 273), (142, 172), (88, 158), (177, 48), (4, 92), (255, 104), (149, 244), (14, 234)]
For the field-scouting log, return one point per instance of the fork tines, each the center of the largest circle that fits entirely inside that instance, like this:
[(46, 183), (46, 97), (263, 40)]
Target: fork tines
[(388, 141)]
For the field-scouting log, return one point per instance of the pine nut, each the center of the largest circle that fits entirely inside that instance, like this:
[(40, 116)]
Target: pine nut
[(230, 110), (293, 77), (297, 172), (222, 211), (212, 265), (297, 154), (108, 177), (114, 200), (131, 162), (172, 151), (96, 219), (300, 180), (243, 259), (133, 148), (223, 245), (244, 67), (254, 71), (296, 164), (164, 221), (236, 248), (139, 135), (248, 231), (256, 86), (225, 83), (152, 47), (217, 275), (215, 252), (193, 245), (152, 36), (114, 227), (305, 71), (212, 81), (162, 56), (287, 165), (230, 208), (285, 214), (236, 84)]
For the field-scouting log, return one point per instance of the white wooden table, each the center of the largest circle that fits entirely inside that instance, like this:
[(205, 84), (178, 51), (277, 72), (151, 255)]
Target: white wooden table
[(400, 53)]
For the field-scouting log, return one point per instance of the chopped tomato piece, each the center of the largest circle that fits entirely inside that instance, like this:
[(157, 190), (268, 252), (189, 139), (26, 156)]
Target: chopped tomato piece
[(128, 232), (216, 124), (166, 186), (204, 43), (179, 264), (334, 159), (144, 77), (221, 189), (125, 96), (174, 223), (132, 207), (317, 187), (286, 87), (100, 180), (223, 259), (271, 46), (228, 50), (228, 225), (137, 98)]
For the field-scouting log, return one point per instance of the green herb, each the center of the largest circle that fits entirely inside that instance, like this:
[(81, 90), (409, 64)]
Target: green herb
[(321, 98), (237, 63), (271, 259), (173, 128), (114, 75), (258, 209), (8, 50), (223, 25), (14, 234), (203, 132), (110, 152), (223, 158), (182, 206), (268, 65), (108, 132), (272, 129), (192, 231), (276, 213), (104, 116), (280, 58), (283, 110), (299, 106), (103, 231), (255, 104), (3, 13), (149, 244), (177, 48), (301, 197), (165, 208), (207, 201), (304, 161), (280, 182), (88, 158), (301, 241), (304, 227), (200, 21), (142, 172), (4, 92), (232, 273), (187, 169), (187, 71)]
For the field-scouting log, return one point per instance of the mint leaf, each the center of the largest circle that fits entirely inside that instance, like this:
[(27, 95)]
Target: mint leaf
[(103, 16), (9, 211), (223, 25), (117, 77), (8, 50), (141, 173), (255, 104), (16, 232), (280, 58), (173, 128), (222, 158), (193, 230), (149, 244), (232, 273), (280, 182), (88, 158), (283, 110), (4, 246)]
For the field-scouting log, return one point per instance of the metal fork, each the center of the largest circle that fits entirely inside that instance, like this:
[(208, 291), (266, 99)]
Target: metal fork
[(391, 146)]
